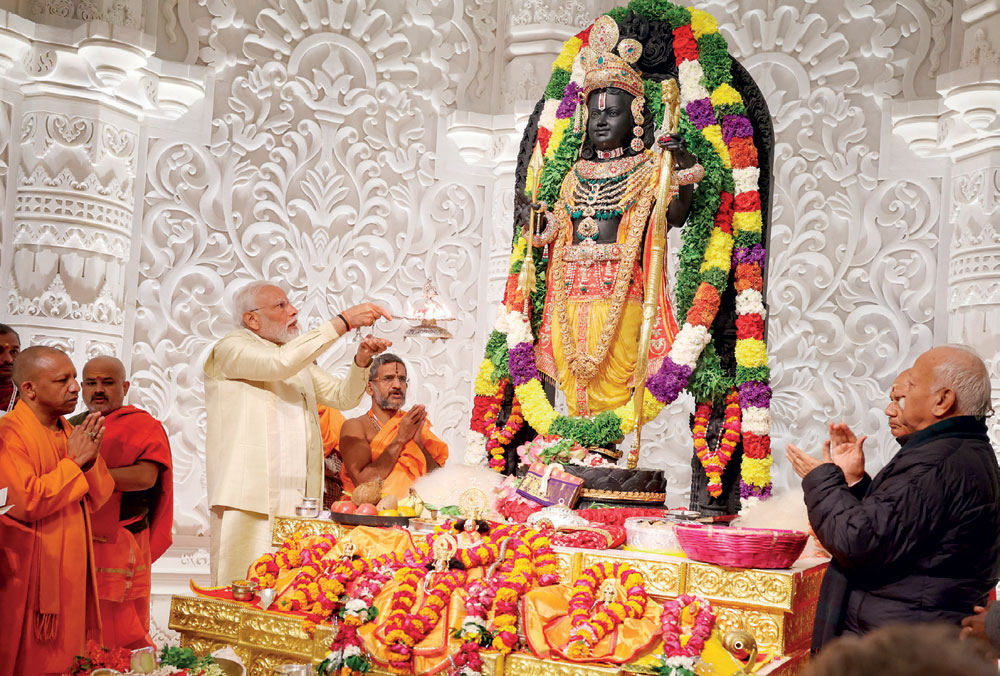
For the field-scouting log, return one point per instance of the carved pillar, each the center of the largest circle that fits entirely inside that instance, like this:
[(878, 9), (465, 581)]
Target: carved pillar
[(79, 105), (961, 128)]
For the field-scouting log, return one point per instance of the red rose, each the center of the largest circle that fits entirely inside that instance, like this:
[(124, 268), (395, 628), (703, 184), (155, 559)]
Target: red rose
[(543, 138), (749, 326), (748, 201), (685, 47), (724, 216), (755, 446)]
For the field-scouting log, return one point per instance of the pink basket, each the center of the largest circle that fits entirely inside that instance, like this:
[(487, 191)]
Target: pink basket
[(741, 547)]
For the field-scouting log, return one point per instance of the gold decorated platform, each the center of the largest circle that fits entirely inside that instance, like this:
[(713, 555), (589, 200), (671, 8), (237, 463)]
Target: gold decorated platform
[(776, 606)]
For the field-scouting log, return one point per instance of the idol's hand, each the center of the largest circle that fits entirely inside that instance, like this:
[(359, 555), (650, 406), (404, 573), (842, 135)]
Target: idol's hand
[(85, 440), (365, 314), (369, 347), (683, 159)]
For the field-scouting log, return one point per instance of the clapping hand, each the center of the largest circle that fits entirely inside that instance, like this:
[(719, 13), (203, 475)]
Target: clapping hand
[(847, 451), (85, 440), (802, 462)]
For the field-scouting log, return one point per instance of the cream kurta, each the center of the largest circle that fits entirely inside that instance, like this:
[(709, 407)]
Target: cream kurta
[(264, 447)]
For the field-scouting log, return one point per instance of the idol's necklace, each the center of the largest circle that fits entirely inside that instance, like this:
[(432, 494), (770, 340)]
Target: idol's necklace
[(605, 191)]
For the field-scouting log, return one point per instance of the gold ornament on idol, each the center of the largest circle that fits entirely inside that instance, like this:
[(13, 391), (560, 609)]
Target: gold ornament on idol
[(604, 68)]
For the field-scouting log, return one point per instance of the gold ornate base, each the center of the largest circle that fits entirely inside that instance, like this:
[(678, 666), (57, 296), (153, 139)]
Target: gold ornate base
[(776, 606)]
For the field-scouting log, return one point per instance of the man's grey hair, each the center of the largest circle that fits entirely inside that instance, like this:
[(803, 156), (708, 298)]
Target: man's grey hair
[(245, 300), (381, 359), (969, 379)]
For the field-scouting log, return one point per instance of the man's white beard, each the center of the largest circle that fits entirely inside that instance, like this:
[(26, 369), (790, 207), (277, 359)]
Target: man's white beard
[(386, 405), (275, 332)]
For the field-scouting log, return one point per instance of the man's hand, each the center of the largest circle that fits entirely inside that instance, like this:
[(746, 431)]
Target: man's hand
[(802, 462), (364, 314), (974, 626), (412, 423), (85, 440), (847, 451), (369, 347)]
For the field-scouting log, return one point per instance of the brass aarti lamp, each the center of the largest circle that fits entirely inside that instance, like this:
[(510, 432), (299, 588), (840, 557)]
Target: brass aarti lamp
[(427, 311)]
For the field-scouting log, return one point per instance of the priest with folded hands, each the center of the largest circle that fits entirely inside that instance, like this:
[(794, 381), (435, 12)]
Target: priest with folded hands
[(56, 479)]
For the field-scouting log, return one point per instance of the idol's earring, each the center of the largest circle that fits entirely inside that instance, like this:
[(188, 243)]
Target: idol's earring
[(637, 145)]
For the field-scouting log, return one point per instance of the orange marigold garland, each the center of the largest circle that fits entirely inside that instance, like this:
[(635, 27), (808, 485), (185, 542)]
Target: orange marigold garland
[(588, 628), (715, 461)]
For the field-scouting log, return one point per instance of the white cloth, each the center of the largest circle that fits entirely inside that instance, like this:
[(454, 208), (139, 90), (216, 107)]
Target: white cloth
[(264, 448), (237, 539)]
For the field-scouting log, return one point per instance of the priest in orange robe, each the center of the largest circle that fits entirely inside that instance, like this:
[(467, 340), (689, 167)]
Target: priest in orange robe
[(133, 529), (387, 442), (330, 423), (55, 479)]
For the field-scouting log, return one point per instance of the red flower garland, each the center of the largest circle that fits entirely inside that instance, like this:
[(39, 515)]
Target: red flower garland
[(715, 461), (673, 626)]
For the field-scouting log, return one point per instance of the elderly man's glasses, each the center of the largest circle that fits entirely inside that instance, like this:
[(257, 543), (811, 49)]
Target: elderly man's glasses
[(389, 379), (280, 305)]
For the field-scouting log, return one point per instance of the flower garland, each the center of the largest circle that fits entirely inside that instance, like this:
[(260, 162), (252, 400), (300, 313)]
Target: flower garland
[(473, 632), (715, 461), (724, 230), (266, 569), (587, 628), (515, 575), (686, 623), (345, 656)]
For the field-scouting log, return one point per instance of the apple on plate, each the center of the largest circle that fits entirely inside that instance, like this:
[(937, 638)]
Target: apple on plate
[(343, 507), (367, 509)]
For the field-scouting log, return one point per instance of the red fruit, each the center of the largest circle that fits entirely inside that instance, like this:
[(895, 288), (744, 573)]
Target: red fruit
[(343, 507), (367, 509)]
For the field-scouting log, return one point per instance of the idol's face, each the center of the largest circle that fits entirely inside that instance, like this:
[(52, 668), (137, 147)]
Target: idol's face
[(609, 118)]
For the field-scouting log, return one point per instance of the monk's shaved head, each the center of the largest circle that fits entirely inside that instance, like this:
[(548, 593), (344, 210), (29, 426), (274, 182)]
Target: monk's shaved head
[(105, 364), (104, 385), (35, 360), (46, 382)]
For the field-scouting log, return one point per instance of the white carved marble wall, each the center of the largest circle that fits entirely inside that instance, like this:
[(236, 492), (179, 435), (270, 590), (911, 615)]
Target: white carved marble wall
[(327, 171)]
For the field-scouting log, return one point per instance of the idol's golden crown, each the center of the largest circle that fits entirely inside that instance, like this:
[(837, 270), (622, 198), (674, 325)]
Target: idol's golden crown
[(603, 67)]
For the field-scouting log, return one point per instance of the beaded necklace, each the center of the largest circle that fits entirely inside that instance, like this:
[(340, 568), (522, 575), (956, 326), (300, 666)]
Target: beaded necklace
[(605, 190)]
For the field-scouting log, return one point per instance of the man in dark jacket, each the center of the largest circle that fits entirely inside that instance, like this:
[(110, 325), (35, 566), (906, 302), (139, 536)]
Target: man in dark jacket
[(921, 541)]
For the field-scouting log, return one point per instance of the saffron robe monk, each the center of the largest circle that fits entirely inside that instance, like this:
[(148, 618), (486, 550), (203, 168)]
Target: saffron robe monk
[(132, 530), (387, 442), (330, 422), (55, 478)]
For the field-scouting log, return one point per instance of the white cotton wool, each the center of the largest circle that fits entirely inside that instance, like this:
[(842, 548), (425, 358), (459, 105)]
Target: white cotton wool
[(445, 486), (783, 511)]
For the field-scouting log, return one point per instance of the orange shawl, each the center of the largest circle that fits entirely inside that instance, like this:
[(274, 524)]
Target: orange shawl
[(411, 464)]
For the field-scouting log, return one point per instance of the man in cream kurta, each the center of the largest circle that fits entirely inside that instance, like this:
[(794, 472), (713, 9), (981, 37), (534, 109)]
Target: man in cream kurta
[(264, 446)]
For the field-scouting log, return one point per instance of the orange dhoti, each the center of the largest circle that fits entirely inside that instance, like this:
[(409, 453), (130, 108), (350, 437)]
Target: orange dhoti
[(411, 464), (48, 605), (133, 529)]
